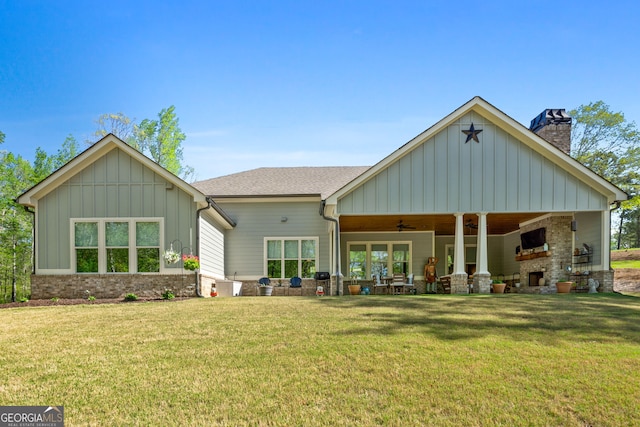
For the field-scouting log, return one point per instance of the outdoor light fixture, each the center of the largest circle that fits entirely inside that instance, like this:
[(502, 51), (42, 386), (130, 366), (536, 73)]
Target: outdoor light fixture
[(284, 219)]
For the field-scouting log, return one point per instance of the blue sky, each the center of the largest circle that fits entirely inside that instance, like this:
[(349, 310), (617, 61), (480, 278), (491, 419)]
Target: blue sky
[(303, 83)]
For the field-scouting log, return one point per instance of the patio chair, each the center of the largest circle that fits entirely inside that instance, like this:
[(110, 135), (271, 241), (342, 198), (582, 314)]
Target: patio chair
[(295, 283), (409, 286), (445, 281), (397, 283), (264, 281), (378, 284)]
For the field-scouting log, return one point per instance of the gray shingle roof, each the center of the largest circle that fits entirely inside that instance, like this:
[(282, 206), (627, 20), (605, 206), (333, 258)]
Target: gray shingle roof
[(291, 181)]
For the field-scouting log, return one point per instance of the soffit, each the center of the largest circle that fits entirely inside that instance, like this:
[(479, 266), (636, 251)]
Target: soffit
[(441, 224)]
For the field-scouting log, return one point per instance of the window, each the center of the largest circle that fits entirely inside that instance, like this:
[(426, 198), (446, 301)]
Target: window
[(379, 259), (148, 247), (117, 243), (86, 246), (401, 258), (286, 258), (358, 261), (383, 258), (117, 246)]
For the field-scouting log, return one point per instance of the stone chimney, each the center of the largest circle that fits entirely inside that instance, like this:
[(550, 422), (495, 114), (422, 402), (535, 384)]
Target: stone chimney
[(554, 125)]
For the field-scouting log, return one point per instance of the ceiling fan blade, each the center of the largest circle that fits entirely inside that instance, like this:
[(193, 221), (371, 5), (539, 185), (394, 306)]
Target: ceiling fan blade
[(402, 226)]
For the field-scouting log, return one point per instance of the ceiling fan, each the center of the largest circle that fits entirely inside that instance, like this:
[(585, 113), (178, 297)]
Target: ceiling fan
[(402, 226), (470, 224)]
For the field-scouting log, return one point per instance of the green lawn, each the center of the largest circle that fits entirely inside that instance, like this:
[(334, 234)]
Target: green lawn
[(625, 264), (446, 360)]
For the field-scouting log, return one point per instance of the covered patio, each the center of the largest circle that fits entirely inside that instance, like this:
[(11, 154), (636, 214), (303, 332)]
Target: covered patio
[(472, 249)]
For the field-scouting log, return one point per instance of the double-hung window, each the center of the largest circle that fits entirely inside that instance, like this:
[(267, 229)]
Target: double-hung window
[(120, 245), (289, 257)]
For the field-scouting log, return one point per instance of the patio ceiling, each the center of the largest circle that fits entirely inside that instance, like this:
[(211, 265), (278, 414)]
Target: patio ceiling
[(443, 224)]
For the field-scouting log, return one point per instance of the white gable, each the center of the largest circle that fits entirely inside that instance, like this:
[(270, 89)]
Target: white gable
[(510, 169)]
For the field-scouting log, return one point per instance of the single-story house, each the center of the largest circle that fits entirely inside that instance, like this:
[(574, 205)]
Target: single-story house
[(478, 195)]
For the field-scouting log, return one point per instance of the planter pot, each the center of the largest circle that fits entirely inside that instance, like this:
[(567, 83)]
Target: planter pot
[(265, 291), (564, 287), (354, 289), (498, 288)]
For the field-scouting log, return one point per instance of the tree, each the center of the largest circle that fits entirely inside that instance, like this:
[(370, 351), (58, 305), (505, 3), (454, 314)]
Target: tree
[(16, 176), (45, 164), (119, 125), (609, 145), (163, 139), (159, 139)]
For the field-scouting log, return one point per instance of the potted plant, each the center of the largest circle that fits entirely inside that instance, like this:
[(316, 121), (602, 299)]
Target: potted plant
[(354, 287), (564, 286), (498, 286), (265, 288), (190, 262)]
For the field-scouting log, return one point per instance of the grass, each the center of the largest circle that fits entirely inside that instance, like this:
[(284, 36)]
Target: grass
[(570, 360), (625, 264)]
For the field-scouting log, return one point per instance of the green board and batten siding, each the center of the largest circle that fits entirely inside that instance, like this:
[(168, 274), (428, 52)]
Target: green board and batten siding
[(114, 186), (244, 254), (446, 175)]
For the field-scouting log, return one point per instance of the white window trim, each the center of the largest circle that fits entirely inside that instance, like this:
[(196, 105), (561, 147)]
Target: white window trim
[(265, 269), (102, 247), (369, 243)]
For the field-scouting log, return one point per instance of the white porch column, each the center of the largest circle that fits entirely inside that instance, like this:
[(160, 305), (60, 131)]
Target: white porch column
[(482, 266), (482, 276), (459, 277), (458, 250)]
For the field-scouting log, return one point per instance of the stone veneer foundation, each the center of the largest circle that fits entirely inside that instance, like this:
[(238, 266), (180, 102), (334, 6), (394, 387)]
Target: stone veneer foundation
[(112, 285)]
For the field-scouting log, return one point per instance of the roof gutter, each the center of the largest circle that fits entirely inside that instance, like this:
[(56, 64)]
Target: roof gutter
[(323, 203)]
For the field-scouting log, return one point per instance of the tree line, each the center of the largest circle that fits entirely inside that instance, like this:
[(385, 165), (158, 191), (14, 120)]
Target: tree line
[(160, 139), (601, 139)]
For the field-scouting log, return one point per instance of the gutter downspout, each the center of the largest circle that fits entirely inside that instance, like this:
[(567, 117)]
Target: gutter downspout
[(198, 292), (337, 249), (33, 238), (616, 207)]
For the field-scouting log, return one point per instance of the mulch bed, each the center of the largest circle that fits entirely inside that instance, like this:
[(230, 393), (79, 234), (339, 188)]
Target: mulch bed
[(80, 301)]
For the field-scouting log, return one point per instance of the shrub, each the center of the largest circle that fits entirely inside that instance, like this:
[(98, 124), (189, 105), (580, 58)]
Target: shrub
[(131, 297), (91, 298), (168, 294)]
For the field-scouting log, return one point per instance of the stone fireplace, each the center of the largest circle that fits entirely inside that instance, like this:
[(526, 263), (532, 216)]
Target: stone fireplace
[(534, 278), (537, 263)]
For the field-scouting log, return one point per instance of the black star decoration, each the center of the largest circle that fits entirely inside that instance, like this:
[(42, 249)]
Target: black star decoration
[(472, 133)]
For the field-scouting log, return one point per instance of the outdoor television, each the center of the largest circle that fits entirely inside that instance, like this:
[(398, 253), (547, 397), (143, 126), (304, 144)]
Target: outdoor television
[(534, 238)]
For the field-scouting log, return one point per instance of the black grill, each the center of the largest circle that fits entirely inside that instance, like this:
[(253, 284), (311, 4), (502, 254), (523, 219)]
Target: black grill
[(322, 275)]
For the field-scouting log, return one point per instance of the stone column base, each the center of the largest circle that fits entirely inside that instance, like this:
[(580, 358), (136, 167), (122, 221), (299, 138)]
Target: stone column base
[(459, 284), (482, 283)]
